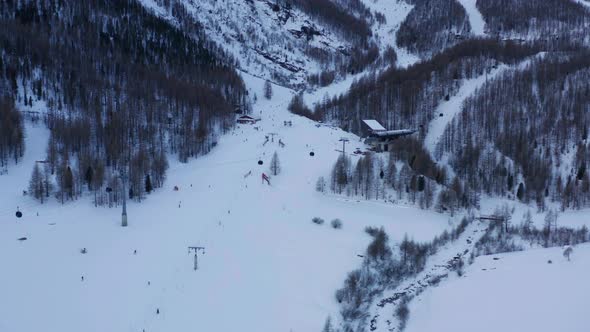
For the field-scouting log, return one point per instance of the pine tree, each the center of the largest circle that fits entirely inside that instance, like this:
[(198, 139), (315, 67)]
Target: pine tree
[(520, 192), (69, 182), (320, 185), (267, 90), (148, 184), (36, 187), (527, 222), (275, 165), (88, 176)]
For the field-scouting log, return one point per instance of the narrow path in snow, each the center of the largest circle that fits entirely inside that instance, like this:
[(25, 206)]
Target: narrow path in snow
[(446, 110), (475, 18)]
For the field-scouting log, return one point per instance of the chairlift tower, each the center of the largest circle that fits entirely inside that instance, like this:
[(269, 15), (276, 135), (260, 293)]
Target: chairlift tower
[(344, 140), (196, 251)]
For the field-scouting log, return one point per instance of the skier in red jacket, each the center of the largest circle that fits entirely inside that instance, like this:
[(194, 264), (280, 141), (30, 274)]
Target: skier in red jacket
[(265, 178)]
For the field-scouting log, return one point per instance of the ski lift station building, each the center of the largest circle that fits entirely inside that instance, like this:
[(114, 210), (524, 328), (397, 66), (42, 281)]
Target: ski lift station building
[(246, 119), (381, 139)]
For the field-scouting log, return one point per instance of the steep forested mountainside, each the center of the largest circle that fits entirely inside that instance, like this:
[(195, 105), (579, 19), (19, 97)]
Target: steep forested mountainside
[(284, 41), (126, 82), (407, 97), (527, 133), (554, 22), (523, 134), (433, 25), (119, 86)]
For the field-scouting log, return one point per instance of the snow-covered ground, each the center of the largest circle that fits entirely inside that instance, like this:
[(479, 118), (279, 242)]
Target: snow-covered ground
[(510, 293), (267, 267), (475, 18)]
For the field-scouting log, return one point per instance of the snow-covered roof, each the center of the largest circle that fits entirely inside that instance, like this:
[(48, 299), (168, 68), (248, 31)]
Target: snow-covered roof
[(393, 133), (374, 125)]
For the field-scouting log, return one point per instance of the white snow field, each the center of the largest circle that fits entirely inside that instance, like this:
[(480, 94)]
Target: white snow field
[(517, 292), (475, 18), (267, 267)]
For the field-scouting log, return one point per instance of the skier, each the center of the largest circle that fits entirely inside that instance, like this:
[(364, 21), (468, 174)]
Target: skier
[(265, 178)]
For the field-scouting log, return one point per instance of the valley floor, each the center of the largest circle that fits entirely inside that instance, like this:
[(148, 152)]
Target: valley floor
[(267, 267)]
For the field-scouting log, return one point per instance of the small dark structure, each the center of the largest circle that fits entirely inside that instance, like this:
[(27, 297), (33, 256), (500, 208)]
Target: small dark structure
[(246, 119), (379, 138)]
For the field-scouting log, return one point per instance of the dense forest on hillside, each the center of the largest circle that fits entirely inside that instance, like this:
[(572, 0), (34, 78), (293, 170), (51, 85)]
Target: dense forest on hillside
[(11, 133), (554, 21), (338, 15), (414, 92), (513, 136), (535, 118), (122, 88), (432, 26)]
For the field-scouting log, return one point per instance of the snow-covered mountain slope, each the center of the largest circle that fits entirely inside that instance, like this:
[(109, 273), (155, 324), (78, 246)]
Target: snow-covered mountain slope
[(269, 40), (267, 267), (510, 292), (395, 12)]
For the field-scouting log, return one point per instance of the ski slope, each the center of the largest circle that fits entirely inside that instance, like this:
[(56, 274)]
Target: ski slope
[(475, 18), (449, 109), (510, 293), (267, 267)]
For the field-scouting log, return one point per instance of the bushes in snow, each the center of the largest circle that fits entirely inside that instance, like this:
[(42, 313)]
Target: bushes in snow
[(402, 312), (336, 223), (320, 185), (502, 238), (385, 267), (317, 220)]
